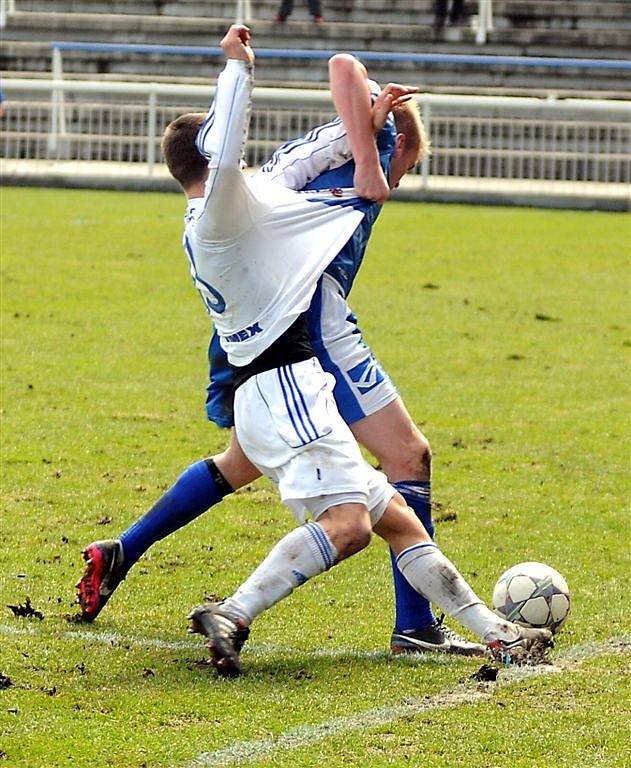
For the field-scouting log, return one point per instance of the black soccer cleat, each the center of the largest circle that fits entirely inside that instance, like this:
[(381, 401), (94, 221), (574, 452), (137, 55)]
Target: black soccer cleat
[(529, 647), (226, 637), (103, 573), (436, 638)]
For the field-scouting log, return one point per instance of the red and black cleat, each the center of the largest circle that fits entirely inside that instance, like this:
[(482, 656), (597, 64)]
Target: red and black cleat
[(104, 571)]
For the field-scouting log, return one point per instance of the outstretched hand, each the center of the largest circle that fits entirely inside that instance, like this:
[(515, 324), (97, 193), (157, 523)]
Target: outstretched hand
[(392, 96), (236, 43)]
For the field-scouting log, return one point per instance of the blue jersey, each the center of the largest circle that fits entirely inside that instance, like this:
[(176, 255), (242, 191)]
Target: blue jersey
[(345, 266)]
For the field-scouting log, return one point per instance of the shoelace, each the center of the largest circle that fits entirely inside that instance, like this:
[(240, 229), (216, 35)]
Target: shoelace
[(449, 633)]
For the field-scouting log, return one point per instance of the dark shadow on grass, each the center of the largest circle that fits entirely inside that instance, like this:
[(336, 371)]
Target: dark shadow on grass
[(320, 665)]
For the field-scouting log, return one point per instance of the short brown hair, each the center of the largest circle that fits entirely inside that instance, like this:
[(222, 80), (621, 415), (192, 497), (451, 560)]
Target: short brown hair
[(408, 121), (183, 159)]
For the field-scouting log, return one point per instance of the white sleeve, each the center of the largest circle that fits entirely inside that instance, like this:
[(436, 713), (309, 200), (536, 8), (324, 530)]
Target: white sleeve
[(221, 139), (298, 162)]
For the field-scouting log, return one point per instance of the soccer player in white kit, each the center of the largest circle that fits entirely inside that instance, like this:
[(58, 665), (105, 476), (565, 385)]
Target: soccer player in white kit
[(256, 252)]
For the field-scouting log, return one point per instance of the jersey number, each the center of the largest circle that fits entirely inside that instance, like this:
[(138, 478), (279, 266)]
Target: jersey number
[(211, 297)]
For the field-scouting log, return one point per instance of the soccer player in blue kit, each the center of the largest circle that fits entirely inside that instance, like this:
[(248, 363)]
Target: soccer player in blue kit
[(205, 483)]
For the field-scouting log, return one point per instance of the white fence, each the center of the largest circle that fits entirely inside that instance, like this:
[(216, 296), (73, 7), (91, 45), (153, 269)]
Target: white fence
[(483, 141)]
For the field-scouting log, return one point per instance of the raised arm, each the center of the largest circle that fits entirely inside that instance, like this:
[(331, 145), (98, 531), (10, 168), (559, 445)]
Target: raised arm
[(221, 139), (326, 147), (352, 98)]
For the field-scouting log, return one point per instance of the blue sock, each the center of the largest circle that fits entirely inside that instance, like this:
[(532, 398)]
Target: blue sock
[(413, 611), (199, 487)]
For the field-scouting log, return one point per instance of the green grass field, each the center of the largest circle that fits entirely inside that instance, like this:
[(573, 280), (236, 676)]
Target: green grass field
[(507, 332)]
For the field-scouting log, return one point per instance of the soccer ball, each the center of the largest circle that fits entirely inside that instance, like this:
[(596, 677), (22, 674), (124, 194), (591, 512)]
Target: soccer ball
[(533, 595)]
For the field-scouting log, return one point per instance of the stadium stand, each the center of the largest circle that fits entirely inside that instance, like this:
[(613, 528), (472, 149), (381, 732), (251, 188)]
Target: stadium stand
[(579, 28), (566, 144)]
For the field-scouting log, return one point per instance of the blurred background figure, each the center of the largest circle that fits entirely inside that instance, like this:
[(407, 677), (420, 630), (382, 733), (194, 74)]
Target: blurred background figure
[(455, 9), (287, 6)]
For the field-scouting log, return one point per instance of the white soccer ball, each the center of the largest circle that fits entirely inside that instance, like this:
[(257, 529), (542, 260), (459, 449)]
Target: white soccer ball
[(533, 595)]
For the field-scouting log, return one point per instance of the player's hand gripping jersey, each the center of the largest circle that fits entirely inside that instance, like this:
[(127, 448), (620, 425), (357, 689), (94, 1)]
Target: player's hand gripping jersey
[(256, 249)]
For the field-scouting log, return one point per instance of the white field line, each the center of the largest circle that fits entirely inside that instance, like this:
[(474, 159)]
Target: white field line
[(114, 639), (241, 752)]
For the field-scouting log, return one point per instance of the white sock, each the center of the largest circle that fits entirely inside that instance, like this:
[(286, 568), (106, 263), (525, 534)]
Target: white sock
[(434, 576), (298, 556)]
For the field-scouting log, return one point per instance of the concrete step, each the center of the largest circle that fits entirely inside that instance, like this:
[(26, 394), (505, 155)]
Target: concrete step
[(575, 14), (397, 11), (128, 28)]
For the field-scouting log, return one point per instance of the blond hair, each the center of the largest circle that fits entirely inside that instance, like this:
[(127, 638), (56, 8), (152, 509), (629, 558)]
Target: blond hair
[(408, 121)]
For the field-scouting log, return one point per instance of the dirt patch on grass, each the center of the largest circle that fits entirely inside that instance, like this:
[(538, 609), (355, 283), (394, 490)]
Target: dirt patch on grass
[(26, 611)]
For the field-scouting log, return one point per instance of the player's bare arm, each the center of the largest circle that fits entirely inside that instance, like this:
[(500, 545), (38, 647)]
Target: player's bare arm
[(352, 99)]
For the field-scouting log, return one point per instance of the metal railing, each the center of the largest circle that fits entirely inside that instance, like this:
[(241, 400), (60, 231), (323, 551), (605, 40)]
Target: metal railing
[(472, 59), (473, 137)]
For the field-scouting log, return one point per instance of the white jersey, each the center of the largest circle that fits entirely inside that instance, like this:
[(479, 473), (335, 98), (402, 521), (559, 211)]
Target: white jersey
[(256, 249)]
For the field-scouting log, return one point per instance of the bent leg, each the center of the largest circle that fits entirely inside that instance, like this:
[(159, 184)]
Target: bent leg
[(405, 456), (305, 552), (201, 486), (368, 402), (432, 574), (396, 442), (235, 466)]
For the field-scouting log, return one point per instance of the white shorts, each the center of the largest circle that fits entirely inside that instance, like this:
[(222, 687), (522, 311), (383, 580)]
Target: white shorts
[(289, 427), (362, 387)]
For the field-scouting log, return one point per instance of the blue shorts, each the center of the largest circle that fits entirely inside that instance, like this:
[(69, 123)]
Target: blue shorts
[(362, 387)]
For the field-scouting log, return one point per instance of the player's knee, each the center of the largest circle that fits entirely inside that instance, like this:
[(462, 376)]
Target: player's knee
[(235, 467), (412, 461), (356, 538), (423, 457), (349, 528)]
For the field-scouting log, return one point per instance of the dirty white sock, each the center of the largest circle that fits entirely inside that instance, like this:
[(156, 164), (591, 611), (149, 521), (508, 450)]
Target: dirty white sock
[(298, 556), (434, 576)]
